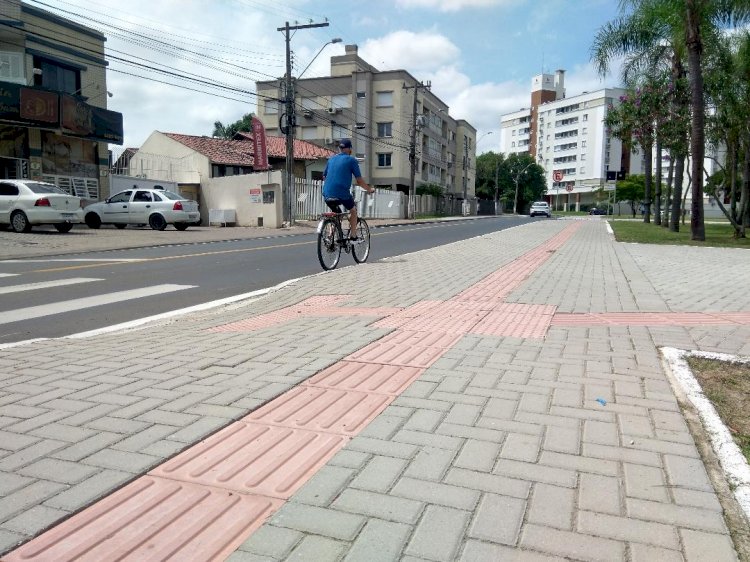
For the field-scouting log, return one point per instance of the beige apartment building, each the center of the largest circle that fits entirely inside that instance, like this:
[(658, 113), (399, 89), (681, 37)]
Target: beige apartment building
[(54, 122), (375, 109)]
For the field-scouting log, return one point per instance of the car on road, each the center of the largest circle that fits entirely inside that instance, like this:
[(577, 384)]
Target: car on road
[(540, 208), (27, 203), (597, 211), (154, 207)]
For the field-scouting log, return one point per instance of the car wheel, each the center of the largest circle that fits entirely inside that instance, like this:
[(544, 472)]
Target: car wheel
[(181, 225), (93, 220), (157, 222), (64, 227), (19, 222), (120, 226)]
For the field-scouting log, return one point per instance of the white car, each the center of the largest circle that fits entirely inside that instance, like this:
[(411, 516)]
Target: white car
[(540, 208), (26, 203), (154, 207)]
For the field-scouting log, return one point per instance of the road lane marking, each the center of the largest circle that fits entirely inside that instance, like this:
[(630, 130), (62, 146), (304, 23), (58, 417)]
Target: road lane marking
[(8, 274), (46, 285), (70, 260), (87, 302)]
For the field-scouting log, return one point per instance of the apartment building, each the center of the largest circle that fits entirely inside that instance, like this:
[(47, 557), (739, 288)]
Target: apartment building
[(375, 109), (54, 122), (567, 137)]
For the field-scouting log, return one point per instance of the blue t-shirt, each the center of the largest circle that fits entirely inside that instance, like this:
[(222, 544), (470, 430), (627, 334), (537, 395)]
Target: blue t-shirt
[(338, 173)]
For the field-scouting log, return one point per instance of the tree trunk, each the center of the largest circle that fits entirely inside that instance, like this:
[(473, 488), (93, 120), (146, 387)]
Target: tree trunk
[(697, 135), (657, 191), (744, 218), (647, 191), (679, 172), (668, 192)]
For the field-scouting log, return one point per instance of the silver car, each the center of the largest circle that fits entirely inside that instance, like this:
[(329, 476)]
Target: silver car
[(154, 207), (540, 208), (26, 203)]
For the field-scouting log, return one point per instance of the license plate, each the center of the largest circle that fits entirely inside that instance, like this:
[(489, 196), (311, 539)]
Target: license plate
[(68, 215), (193, 215)]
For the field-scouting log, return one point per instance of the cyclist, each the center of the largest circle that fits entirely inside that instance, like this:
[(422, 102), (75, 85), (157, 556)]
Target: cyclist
[(337, 183)]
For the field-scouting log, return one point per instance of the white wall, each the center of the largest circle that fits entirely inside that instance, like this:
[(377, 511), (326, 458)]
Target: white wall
[(233, 192)]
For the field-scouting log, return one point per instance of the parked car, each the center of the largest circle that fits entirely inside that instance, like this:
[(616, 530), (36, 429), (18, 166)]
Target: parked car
[(155, 207), (540, 208), (27, 203), (597, 211)]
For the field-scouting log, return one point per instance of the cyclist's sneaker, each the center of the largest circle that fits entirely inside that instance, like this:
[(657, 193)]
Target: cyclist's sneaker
[(356, 241)]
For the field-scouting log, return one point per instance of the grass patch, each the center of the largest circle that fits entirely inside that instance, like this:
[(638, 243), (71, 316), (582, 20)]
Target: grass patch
[(717, 234), (727, 386)]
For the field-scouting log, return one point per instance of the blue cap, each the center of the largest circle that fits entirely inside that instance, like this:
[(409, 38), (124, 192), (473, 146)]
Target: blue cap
[(345, 143)]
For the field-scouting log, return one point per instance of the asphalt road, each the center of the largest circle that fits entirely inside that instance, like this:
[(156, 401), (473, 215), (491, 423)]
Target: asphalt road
[(70, 294)]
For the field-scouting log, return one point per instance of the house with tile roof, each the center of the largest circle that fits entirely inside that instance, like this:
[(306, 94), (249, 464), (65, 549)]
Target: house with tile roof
[(194, 161)]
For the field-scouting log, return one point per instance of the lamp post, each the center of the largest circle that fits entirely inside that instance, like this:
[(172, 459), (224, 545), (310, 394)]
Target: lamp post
[(517, 178), (331, 42)]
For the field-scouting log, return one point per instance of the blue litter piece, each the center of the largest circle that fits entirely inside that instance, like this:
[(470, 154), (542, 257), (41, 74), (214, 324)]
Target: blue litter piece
[(602, 401)]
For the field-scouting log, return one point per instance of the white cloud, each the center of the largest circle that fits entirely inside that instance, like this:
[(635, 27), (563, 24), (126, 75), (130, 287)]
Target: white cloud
[(418, 52), (454, 5)]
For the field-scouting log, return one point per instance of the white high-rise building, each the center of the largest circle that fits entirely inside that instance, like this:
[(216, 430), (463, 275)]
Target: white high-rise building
[(567, 137)]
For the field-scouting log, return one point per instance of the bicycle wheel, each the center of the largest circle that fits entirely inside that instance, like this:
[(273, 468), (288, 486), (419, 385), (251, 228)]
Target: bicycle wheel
[(361, 248), (329, 250)]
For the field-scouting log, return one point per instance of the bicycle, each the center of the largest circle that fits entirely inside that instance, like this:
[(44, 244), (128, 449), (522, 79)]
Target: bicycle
[(332, 239)]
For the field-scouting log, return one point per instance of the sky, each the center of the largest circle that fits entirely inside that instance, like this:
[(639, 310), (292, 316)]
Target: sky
[(479, 55)]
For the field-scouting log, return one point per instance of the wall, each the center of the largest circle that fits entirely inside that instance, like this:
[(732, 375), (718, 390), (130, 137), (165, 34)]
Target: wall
[(234, 192)]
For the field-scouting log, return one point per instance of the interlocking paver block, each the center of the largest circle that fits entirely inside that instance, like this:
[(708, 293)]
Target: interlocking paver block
[(498, 519), (599, 493), (552, 506), (379, 541), (623, 528), (708, 546), (438, 534), (572, 545)]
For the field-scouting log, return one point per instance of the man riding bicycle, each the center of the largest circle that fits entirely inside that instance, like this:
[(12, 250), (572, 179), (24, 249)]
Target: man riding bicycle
[(337, 183)]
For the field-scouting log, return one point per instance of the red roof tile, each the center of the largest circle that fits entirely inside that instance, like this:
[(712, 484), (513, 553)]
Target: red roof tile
[(240, 152)]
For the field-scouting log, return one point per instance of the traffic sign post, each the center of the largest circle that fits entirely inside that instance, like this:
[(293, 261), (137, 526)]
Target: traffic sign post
[(558, 175)]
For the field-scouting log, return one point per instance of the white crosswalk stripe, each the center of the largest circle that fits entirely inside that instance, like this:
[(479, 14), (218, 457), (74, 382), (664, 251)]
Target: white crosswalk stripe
[(8, 274), (87, 302), (46, 285)]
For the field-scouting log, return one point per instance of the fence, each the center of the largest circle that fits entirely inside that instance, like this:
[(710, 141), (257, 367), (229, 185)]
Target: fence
[(309, 204)]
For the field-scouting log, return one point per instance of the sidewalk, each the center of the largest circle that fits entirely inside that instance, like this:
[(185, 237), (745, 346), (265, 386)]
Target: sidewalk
[(500, 398)]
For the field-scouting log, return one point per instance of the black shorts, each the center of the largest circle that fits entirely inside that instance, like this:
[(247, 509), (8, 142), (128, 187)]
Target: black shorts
[(333, 204)]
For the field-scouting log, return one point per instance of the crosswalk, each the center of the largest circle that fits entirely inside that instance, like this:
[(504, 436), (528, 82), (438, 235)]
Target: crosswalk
[(15, 286)]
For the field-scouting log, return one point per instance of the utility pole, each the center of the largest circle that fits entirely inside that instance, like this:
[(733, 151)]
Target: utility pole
[(290, 120), (464, 203), (413, 145)]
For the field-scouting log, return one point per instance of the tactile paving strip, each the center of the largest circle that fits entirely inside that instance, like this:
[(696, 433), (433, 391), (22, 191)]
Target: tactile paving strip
[(153, 519), (254, 458), (516, 320), (366, 377), (651, 319), (329, 410)]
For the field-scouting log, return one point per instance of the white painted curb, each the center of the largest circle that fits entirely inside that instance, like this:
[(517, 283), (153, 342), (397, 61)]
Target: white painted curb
[(732, 460)]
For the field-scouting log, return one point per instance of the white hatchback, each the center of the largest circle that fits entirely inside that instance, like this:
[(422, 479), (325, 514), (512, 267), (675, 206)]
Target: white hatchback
[(26, 203), (154, 207), (540, 208)]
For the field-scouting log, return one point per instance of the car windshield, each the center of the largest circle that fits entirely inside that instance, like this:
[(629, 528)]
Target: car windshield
[(171, 195), (45, 188), (540, 204)]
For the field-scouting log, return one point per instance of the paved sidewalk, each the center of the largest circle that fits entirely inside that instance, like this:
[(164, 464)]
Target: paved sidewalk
[(493, 399)]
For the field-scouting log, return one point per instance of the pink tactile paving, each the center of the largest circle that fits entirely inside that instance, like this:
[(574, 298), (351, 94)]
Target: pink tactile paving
[(389, 352), (398, 319), (254, 458), (451, 318), (650, 319), (153, 519), (366, 377), (329, 410), (516, 320)]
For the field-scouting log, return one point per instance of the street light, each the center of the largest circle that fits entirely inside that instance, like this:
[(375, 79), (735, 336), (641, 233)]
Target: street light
[(517, 178), (331, 42)]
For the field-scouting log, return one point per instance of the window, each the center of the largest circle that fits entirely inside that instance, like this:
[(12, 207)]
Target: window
[(584, 130), (585, 116), (384, 99), (361, 95), (270, 107), (384, 159), (11, 67), (385, 129), (57, 76), (513, 133), (583, 157), (8, 189), (513, 144), (340, 132), (583, 170), (360, 125), (340, 100), (143, 196), (123, 197), (583, 144)]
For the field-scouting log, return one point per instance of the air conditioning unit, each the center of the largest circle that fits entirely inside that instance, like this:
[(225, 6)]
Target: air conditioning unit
[(307, 113), (332, 110)]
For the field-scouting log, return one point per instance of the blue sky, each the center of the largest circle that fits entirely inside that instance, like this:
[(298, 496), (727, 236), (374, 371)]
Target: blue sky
[(479, 55)]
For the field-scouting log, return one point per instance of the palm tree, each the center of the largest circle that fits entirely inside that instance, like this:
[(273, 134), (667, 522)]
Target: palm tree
[(687, 24)]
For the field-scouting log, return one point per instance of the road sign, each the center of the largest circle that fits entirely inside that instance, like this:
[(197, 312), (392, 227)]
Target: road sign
[(558, 175), (569, 188)]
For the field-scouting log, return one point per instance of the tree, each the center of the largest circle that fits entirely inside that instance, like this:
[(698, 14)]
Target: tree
[(228, 131), (631, 190)]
